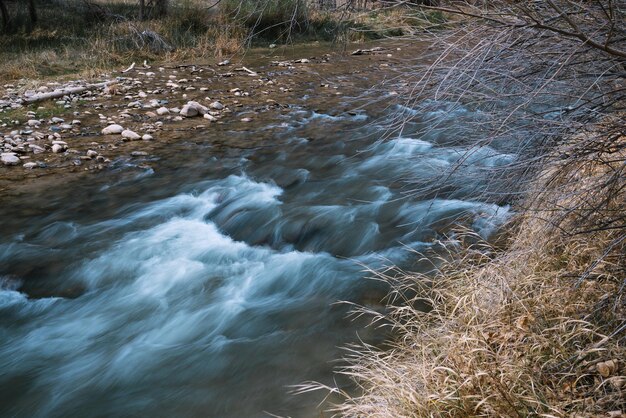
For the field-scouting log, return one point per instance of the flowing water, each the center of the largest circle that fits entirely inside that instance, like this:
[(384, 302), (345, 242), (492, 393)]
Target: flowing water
[(206, 287)]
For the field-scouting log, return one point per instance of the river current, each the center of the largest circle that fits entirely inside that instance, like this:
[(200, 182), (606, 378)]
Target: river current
[(205, 284)]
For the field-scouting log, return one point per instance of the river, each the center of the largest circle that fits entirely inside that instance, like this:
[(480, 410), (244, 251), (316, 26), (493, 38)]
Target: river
[(205, 282)]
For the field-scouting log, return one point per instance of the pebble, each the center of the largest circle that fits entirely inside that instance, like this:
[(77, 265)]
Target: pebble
[(57, 120), (33, 122), (91, 153), (147, 137), (217, 106), (113, 129), (30, 166), (58, 148), (128, 134), (162, 111)]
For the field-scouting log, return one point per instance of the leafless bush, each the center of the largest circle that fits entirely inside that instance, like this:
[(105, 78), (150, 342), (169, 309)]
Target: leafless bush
[(538, 328)]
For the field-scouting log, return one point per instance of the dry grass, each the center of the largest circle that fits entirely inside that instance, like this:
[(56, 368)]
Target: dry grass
[(536, 329)]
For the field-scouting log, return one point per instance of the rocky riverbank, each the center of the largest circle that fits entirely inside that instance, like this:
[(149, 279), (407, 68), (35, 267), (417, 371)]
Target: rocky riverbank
[(135, 112)]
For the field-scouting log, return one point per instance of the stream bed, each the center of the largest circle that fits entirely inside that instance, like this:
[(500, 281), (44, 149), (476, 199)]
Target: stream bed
[(204, 281)]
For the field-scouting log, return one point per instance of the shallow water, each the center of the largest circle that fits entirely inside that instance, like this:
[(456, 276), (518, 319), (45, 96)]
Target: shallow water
[(206, 284)]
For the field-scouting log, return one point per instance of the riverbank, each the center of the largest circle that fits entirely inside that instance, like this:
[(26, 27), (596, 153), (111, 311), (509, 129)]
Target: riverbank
[(536, 328), (78, 39), (136, 113)]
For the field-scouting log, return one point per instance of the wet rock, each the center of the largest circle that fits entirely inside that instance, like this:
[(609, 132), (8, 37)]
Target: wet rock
[(114, 129), (9, 158), (128, 134)]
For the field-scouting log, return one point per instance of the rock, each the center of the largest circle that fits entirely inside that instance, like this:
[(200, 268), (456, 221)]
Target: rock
[(128, 134), (91, 153), (58, 148), (9, 158), (225, 62), (138, 153), (113, 129), (162, 111), (75, 122), (57, 120), (210, 117), (189, 111), (272, 46), (37, 149), (30, 166), (246, 120), (147, 137), (193, 109), (33, 122), (217, 105)]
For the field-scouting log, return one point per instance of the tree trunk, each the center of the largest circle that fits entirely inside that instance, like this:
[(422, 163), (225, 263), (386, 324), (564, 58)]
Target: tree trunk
[(5, 16), (32, 11), (161, 7)]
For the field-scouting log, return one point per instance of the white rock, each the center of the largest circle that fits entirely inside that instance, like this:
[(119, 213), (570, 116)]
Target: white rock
[(30, 165), (217, 106), (128, 134), (75, 122), (91, 153), (210, 117), (9, 158), (113, 129), (162, 111), (189, 111), (147, 137), (57, 120), (57, 148), (33, 122), (37, 149)]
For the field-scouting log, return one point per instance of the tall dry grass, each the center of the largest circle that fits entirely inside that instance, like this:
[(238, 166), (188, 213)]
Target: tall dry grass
[(537, 329), (535, 326)]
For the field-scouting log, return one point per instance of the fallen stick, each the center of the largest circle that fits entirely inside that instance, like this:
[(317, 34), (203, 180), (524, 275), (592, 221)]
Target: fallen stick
[(129, 68), (63, 92), (249, 71)]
